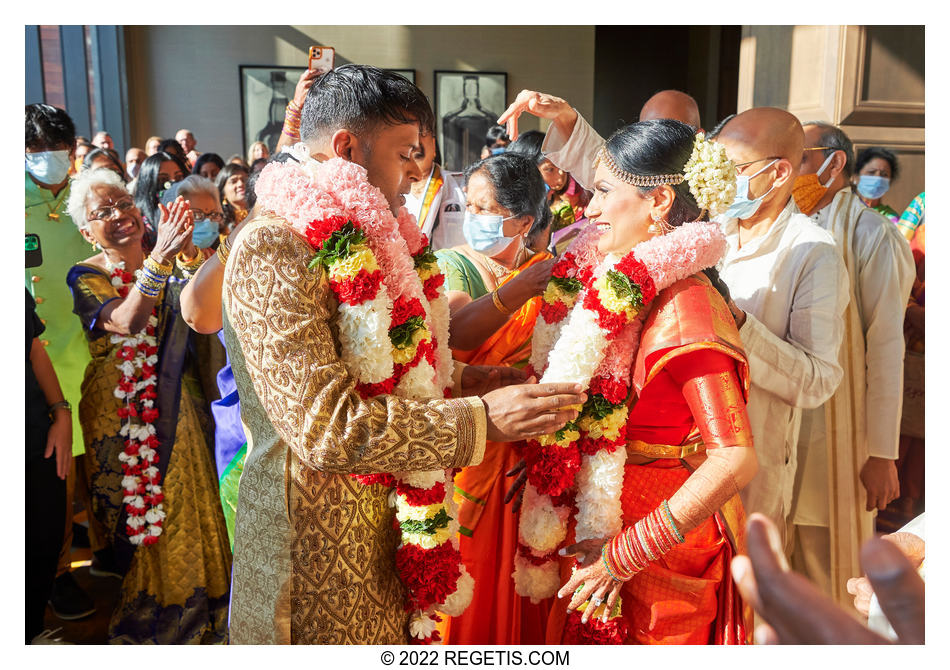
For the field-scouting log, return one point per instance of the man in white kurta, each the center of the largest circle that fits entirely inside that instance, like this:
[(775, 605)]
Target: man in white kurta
[(848, 447), (786, 277), (437, 200), (788, 284)]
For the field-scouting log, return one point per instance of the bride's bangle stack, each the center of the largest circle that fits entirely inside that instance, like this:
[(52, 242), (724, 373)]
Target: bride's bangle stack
[(152, 277), (631, 550)]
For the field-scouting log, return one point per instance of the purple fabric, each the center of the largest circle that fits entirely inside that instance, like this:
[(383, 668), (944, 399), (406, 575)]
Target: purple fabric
[(228, 432), (572, 229)]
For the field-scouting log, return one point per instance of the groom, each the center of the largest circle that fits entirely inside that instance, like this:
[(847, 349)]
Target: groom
[(314, 549)]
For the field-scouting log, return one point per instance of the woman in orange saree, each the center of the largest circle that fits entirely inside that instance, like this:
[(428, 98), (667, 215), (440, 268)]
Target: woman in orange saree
[(505, 202), (641, 491), (690, 361)]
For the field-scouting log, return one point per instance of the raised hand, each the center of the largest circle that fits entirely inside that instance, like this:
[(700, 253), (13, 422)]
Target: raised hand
[(304, 83), (174, 229), (529, 410), (541, 105)]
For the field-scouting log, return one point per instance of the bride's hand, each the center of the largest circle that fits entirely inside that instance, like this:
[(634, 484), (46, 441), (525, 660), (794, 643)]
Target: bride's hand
[(541, 105), (590, 581)]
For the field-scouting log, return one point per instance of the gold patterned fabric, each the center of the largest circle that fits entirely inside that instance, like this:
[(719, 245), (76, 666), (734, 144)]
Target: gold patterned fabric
[(175, 591), (314, 549)]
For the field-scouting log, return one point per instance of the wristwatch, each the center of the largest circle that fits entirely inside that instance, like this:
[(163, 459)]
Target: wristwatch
[(62, 404)]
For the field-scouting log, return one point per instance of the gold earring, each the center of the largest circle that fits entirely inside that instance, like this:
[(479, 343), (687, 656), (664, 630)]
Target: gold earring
[(659, 226)]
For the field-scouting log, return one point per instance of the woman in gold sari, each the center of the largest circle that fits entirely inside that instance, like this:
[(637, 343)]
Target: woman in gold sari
[(148, 464), (496, 277)]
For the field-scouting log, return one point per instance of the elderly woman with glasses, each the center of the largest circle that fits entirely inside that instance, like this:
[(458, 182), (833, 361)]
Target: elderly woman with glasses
[(202, 197), (148, 465)]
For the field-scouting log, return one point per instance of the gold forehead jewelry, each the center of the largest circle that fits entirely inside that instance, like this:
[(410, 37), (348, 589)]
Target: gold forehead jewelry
[(635, 179)]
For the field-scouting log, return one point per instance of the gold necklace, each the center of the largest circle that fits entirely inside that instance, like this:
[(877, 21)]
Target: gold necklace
[(498, 270), (53, 215)]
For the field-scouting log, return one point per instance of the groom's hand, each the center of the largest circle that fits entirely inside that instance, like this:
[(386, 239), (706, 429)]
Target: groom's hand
[(481, 379), (529, 410)]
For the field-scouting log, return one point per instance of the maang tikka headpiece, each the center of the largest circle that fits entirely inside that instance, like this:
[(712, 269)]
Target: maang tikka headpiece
[(635, 179)]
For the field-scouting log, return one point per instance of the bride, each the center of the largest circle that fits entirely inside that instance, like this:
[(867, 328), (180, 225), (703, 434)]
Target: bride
[(640, 492)]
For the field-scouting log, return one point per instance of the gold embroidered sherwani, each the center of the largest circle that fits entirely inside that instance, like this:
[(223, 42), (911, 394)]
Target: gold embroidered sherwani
[(314, 549)]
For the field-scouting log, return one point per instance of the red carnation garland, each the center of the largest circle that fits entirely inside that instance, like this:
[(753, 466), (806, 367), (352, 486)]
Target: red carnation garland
[(141, 480)]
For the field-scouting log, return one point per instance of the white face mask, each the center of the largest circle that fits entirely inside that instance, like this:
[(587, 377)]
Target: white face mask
[(483, 232), (742, 206), (48, 167)]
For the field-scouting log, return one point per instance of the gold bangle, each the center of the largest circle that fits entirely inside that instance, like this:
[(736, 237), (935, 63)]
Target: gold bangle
[(156, 267), (224, 250), (192, 265), (499, 305)]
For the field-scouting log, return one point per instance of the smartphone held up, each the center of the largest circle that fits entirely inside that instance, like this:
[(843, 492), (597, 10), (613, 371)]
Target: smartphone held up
[(321, 59)]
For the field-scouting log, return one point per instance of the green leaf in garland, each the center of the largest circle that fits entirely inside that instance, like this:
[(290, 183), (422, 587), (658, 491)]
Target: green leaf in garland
[(597, 407), (427, 526), (401, 335), (625, 289), (427, 257), (569, 285), (570, 425), (337, 246)]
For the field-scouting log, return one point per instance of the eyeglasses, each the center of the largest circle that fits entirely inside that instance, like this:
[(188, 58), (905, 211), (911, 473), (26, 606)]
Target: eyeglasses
[(742, 166), (817, 148), (214, 217), (107, 212)]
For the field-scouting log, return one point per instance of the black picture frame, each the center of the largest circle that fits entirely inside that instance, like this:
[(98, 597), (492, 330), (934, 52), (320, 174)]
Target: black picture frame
[(467, 104), (261, 100)]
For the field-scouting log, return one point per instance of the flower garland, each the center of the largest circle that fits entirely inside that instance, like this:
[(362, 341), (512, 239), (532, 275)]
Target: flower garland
[(393, 320), (594, 311), (141, 478)]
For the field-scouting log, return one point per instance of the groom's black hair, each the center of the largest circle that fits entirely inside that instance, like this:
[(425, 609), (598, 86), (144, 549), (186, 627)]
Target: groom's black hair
[(360, 98)]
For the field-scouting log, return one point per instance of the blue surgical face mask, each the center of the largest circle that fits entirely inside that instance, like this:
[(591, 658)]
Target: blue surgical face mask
[(873, 187), (742, 207), (497, 151), (48, 167), (483, 232), (204, 233)]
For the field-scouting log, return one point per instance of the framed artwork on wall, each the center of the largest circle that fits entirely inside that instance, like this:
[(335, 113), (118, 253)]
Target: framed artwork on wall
[(467, 104), (265, 92)]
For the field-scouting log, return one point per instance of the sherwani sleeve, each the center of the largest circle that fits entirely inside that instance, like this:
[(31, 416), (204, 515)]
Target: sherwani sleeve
[(802, 367), (281, 312), (884, 280), (576, 153)]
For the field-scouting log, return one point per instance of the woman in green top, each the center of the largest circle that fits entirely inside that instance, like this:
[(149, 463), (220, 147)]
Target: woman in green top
[(506, 218), (875, 169)]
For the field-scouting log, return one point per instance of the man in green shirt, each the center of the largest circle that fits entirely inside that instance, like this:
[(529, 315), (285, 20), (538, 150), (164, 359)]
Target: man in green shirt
[(50, 140)]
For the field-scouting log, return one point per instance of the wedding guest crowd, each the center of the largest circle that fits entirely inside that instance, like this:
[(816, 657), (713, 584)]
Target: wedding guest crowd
[(665, 366)]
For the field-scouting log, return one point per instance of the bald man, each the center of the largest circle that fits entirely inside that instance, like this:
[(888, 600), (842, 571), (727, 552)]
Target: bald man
[(857, 430), (671, 104), (789, 291), (186, 139), (571, 143)]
